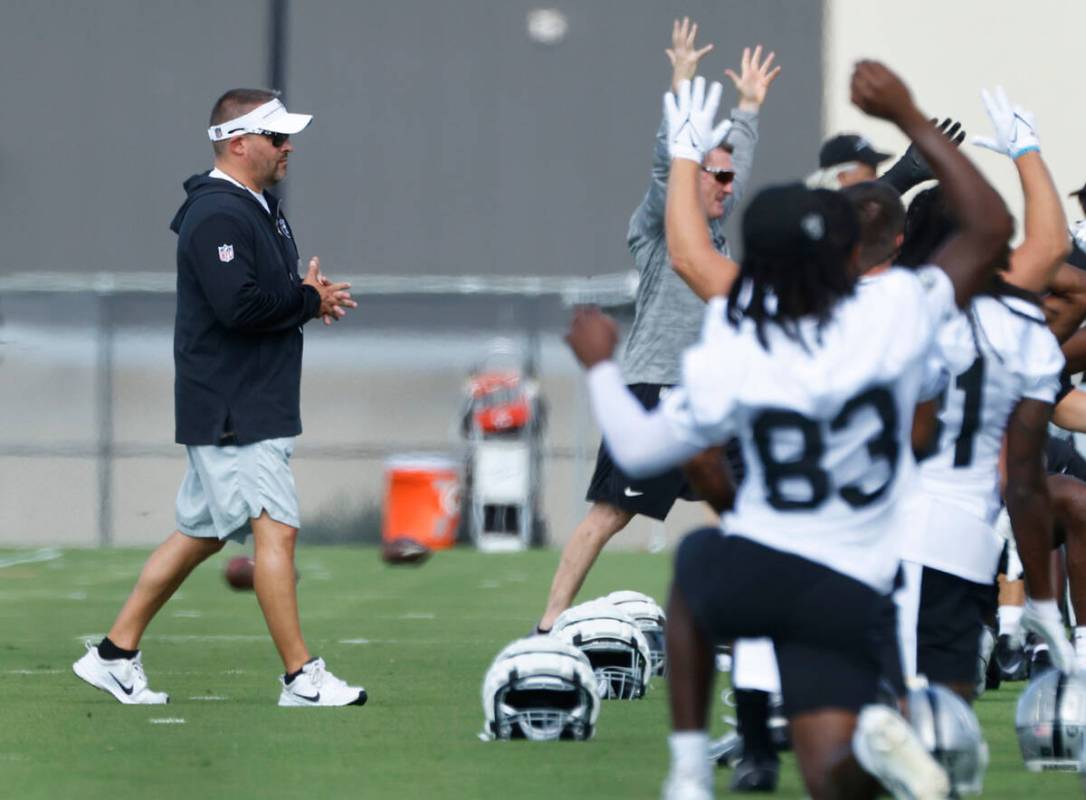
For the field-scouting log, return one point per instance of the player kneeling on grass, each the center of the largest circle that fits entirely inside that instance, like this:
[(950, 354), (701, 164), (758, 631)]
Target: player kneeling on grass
[(238, 354), (818, 375)]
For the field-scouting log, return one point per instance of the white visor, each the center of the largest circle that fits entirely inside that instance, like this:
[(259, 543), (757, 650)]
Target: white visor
[(272, 116)]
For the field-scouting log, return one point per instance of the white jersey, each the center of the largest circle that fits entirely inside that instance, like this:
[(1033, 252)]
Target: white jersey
[(991, 357), (824, 424)]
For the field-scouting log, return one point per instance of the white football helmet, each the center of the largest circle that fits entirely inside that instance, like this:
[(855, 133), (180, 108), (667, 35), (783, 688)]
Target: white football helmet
[(542, 689), (650, 618), (949, 730), (1051, 722), (615, 646)]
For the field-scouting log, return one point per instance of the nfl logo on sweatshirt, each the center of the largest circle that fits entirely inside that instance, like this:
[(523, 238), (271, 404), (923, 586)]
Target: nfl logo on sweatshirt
[(226, 253)]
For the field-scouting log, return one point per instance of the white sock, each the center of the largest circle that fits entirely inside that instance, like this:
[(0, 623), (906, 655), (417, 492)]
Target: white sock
[(1079, 638), (1010, 621), (690, 754)]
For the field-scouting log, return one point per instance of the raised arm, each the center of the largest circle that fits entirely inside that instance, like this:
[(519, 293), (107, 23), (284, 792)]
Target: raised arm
[(984, 223), (684, 54), (911, 169), (756, 75), (648, 220), (1046, 244), (691, 135)]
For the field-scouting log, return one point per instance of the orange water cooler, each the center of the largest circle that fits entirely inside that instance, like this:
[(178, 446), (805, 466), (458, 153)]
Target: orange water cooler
[(422, 500)]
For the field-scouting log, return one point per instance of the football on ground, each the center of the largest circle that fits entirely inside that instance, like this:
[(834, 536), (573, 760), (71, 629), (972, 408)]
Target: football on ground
[(239, 573), (404, 551), (420, 641)]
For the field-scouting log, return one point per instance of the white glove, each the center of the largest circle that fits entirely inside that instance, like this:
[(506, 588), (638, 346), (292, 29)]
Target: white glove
[(1015, 128), (1043, 618), (690, 131)]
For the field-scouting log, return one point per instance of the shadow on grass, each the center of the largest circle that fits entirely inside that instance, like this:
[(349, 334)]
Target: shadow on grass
[(344, 521)]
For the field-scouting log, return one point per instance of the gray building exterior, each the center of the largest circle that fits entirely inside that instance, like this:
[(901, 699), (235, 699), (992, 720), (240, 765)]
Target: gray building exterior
[(446, 143), (445, 140)]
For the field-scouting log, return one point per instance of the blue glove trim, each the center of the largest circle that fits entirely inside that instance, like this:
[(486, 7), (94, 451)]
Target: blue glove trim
[(1031, 149)]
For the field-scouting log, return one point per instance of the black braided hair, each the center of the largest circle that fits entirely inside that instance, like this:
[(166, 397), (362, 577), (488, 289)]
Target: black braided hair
[(783, 289)]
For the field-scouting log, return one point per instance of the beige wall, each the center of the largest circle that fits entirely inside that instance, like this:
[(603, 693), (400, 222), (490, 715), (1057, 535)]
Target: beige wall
[(947, 50)]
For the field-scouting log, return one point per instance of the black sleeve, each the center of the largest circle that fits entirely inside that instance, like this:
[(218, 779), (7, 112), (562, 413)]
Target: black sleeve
[(231, 287), (908, 171)]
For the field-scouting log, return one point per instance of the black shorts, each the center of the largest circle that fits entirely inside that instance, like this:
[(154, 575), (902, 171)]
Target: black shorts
[(1062, 458), (651, 497), (952, 614), (835, 637)]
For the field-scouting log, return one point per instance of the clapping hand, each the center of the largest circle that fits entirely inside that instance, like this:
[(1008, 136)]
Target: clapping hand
[(335, 299)]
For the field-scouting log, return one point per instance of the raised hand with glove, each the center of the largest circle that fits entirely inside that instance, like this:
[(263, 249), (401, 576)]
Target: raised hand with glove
[(690, 113), (1015, 129), (911, 169)]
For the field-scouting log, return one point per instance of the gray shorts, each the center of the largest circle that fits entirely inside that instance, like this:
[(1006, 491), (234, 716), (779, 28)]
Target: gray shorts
[(226, 487)]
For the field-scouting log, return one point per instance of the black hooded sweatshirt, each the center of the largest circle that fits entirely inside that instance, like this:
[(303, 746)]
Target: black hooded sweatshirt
[(240, 309)]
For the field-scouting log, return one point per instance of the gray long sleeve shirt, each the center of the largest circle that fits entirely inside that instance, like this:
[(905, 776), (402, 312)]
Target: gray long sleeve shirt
[(667, 313)]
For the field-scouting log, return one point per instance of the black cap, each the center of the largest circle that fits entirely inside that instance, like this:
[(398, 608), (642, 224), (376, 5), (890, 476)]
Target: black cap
[(1078, 192), (849, 147), (793, 222)]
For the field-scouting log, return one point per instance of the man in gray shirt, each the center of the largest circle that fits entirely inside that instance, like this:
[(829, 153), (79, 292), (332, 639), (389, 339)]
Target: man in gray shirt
[(668, 310)]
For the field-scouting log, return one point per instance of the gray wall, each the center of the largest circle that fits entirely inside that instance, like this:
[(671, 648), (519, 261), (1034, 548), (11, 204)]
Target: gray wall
[(445, 140)]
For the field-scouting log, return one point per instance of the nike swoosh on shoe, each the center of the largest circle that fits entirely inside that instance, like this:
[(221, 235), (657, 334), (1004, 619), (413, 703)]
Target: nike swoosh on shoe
[(126, 689)]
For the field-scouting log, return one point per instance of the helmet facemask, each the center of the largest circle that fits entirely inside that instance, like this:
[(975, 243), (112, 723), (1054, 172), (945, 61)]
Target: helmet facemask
[(618, 665), (541, 708)]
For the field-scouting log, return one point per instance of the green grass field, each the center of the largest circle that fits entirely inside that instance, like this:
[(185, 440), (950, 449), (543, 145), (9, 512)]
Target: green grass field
[(419, 639)]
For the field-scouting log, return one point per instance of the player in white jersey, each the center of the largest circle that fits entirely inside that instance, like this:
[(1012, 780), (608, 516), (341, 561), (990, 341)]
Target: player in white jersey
[(999, 366), (1002, 374), (817, 376)]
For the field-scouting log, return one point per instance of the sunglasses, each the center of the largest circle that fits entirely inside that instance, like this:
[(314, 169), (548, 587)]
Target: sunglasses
[(722, 176), (277, 139)]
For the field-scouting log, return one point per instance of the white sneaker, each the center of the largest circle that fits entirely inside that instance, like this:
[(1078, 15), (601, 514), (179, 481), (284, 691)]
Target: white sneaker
[(888, 748), (684, 787), (123, 678), (316, 686)]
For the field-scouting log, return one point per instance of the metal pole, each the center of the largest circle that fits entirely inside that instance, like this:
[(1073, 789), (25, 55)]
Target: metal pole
[(104, 417), (277, 61), (277, 46)]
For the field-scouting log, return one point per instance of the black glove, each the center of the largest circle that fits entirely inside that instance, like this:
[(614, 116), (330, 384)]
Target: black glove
[(911, 169)]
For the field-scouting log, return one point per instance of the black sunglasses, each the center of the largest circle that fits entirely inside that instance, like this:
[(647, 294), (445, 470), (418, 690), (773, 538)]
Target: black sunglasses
[(277, 139), (722, 176)]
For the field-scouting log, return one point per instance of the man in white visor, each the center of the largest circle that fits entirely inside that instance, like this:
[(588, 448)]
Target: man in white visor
[(241, 305)]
